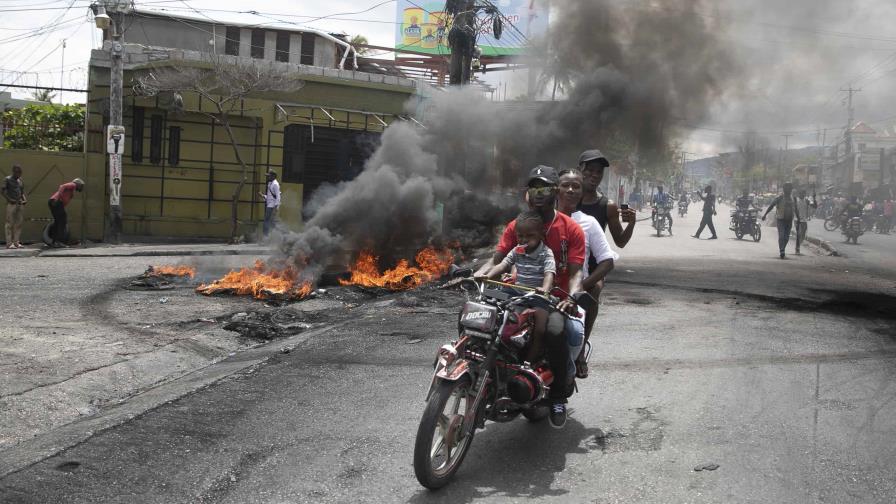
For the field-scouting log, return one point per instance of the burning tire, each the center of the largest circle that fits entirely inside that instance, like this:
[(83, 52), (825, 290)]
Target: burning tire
[(441, 445)]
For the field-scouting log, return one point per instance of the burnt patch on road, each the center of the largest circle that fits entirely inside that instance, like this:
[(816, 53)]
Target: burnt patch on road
[(645, 434), (68, 467)]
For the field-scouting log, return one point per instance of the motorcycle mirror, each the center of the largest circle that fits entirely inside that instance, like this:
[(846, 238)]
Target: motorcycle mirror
[(584, 300), (457, 272)]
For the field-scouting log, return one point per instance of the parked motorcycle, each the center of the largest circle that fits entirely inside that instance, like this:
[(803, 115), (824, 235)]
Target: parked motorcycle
[(482, 375), (746, 223), (853, 229)]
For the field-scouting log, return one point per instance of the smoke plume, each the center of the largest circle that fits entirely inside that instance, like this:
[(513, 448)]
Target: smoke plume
[(629, 71)]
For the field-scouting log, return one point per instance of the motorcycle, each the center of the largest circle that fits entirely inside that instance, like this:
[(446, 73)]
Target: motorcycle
[(853, 229), (832, 223), (746, 223), (682, 208), (482, 375), (661, 220)]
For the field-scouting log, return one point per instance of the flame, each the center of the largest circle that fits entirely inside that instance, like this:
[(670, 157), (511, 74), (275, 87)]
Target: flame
[(260, 282), (178, 271), (432, 263)]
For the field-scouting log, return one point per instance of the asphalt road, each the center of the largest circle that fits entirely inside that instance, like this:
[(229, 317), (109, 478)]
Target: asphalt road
[(779, 371)]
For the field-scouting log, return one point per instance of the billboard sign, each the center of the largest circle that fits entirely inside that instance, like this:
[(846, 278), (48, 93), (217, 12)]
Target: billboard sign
[(422, 26)]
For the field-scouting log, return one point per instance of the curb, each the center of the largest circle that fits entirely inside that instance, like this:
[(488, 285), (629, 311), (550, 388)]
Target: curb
[(30, 452), (149, 253), (818, 242)]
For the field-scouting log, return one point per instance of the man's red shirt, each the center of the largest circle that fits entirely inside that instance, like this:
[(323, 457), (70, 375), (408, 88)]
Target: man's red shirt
[(65, 193), (565, 239)]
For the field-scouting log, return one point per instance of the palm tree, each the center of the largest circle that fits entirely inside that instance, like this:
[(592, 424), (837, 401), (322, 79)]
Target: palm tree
[(359, 40), (44, 95)]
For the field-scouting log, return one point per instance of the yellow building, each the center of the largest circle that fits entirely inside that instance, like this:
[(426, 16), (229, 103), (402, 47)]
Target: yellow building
[(179, 168)]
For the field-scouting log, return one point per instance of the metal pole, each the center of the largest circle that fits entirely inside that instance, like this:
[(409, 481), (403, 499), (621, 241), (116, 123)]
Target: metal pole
[(115, 118), (62, 70)]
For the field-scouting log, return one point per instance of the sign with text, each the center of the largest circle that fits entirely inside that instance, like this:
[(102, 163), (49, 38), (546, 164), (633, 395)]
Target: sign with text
[(423, 26), (115, 179), (114, 139)]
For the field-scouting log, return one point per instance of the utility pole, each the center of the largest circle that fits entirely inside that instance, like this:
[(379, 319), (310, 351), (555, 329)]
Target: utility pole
[(62, 71), (115, 137), (850, 118), (781, 159)]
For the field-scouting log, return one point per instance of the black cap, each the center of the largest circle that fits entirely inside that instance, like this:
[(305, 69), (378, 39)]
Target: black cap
[(591, 155), (546, 173)]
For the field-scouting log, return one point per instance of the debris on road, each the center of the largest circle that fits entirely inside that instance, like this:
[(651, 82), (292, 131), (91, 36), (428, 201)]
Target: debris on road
[(706, 467)]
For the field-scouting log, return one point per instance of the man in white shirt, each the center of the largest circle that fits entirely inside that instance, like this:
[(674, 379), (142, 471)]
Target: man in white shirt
[(271, 202)]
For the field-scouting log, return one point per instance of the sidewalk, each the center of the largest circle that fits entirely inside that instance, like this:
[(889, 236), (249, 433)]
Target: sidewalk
[(140, 250)]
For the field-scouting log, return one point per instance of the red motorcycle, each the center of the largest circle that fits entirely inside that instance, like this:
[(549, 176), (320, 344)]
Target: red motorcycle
[(482, 375)]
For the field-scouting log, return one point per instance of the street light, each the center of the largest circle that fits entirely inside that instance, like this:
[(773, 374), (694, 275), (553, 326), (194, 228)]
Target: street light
[(102, 20)]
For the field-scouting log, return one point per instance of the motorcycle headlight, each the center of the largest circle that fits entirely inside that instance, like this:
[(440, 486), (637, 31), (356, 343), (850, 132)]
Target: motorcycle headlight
[(447, 355)]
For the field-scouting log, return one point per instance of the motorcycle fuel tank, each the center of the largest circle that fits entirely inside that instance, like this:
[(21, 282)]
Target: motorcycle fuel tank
[(478, 316)]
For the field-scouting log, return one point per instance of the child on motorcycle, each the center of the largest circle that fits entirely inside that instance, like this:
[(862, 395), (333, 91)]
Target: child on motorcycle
[(535, 267)]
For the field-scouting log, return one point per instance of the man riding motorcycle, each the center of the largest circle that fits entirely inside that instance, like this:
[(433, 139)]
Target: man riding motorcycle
[(566, 240), (662, 200)]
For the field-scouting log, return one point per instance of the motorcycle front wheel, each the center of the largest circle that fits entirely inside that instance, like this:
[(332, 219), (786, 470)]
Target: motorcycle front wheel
[(441, 445), (757, 233), (831, 224)]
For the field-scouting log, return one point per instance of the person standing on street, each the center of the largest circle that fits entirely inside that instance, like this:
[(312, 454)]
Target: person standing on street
[(271, 202), (802, 209), (14, 192), (709, 209), (785, 212), (58, 201)]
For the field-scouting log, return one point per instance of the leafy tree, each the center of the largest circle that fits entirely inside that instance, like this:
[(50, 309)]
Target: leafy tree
[(44, 127), (44, 95), (359, 40), (225, 83)]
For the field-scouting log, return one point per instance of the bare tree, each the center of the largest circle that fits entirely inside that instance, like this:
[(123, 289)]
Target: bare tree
[(224, 81)]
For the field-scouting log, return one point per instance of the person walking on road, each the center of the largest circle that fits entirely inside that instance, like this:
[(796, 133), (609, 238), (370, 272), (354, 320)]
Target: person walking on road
[(271, 202), (802, 209), (58, 201), (14, 192), (709, 209), (785, 212)]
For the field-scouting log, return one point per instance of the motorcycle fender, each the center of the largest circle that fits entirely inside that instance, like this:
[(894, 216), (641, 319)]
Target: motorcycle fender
[(452, 373)]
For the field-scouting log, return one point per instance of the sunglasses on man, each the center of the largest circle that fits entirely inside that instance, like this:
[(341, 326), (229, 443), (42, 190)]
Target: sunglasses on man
[(542, 191)]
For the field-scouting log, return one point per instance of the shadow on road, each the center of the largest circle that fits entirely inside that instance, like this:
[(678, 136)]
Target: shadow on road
[(515, 460)]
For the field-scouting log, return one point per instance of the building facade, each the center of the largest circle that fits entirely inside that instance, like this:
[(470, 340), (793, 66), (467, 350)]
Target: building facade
[(180, 169)]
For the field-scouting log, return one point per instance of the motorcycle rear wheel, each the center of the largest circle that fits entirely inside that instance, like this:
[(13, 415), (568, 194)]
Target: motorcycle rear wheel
[(536, 413), (438, 452)]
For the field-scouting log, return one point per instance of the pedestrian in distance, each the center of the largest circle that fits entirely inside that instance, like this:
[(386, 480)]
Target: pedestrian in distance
[(271, 198), (58, 201), (785, 212), (14, 192), (804, 208), (709, 209)]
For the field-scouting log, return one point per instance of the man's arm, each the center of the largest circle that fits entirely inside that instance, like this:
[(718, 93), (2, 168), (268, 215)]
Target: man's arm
[(600, 272), (621, 236), (769, 209), (505, 245)]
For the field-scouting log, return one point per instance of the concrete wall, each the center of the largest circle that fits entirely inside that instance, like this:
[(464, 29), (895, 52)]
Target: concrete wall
[(43, 173), (196, 36)]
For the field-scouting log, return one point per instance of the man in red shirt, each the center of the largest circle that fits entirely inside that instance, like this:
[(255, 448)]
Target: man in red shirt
[(566, 240), (58, 201)]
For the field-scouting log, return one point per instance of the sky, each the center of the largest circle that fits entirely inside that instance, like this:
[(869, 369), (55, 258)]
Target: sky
[(790, 58)]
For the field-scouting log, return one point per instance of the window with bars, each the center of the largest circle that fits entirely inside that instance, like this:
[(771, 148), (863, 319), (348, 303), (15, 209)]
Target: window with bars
[(282, 47), (155, 139), (307, 57), (232, 41), (137, 134), (257, 49), (174, 145)]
